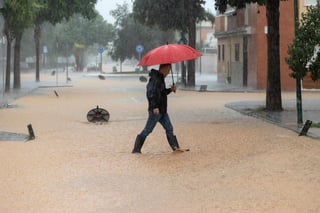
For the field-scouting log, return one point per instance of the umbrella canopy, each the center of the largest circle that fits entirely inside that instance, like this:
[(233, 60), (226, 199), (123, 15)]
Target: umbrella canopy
[(169, 54)]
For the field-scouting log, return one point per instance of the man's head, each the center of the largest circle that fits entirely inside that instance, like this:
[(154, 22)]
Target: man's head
[(165, 69)]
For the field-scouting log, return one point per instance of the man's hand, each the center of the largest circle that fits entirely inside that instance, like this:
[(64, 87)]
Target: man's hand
[(173, 88), (156, 111)]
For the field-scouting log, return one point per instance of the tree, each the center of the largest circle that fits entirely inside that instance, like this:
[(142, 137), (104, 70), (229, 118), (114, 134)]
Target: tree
[(179, 15), (18, 16), (9, 39), (54, 11), (91, 34), (273, 93), (125, 44), (78, 33), (304, 50)]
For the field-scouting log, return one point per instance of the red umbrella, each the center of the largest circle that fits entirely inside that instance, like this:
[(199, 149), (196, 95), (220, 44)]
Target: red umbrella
[(169, 54)]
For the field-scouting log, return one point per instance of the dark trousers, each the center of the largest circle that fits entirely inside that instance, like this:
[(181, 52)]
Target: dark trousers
[(163, 119)]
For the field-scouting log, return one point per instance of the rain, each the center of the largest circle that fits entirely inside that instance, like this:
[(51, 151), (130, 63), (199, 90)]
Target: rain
[(73, 99)]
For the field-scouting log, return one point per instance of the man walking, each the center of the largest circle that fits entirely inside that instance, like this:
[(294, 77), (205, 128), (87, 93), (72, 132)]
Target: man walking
[(157, 108)]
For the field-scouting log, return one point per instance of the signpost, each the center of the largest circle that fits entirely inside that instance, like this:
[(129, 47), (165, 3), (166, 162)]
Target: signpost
[(139, 49), (100, 51)]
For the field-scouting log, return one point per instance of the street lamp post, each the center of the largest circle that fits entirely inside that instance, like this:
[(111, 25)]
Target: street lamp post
[(3, 42), (298, 79)]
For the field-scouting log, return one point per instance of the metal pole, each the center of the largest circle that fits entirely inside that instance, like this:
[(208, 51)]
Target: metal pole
[(3, 53), (100, 62), (298, 79), (57, 65), (67, 58), (200, 47)]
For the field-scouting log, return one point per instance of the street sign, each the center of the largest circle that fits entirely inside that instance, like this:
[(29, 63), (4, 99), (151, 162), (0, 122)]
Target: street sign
[(45, 49), (139, 48), (100, 50)]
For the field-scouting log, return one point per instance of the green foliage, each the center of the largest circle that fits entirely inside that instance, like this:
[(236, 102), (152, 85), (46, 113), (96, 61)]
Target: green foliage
[(83, 31), (302, 49), (170, 14), (242, 3), (54, 11), (315, 125), (19, 15), (180, 15), (90, 33), (131, 33), (120, 14), (221, 5)]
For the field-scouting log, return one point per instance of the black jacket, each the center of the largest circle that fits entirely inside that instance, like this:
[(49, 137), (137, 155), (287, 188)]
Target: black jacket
[(157, 91)]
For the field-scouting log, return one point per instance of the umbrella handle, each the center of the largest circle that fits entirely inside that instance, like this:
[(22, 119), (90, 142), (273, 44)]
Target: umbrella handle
[(172, 78)]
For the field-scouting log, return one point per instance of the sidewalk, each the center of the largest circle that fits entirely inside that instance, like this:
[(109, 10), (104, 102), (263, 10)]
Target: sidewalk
[(286, 118), (28, 85)]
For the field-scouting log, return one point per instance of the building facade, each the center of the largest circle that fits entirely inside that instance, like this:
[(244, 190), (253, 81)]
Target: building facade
[(242, 45), (207, 44)]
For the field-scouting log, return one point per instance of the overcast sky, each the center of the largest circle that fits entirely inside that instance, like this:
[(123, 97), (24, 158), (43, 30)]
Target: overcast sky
[(105, 6)]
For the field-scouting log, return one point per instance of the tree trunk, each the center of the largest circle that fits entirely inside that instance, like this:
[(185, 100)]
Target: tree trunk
[(37, 35), (273, 96), (8, 64), (16, 62), (192, 42), (79, 56)]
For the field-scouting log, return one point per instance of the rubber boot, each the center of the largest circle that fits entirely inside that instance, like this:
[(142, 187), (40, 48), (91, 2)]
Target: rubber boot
[(138, 144), (173, 142)]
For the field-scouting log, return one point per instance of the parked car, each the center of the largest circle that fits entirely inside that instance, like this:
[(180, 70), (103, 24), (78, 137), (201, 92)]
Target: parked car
[(91, 67), (137, 68)]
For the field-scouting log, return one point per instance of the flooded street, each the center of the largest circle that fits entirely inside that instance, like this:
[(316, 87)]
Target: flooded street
[(236, 163)]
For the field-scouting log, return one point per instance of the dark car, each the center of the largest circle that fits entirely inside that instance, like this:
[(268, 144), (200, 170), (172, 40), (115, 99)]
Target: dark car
[(91, 67)]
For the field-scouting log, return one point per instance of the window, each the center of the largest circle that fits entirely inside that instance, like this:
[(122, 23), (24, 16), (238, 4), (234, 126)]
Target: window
[(222, 52), (310, 2), (237, 52)]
